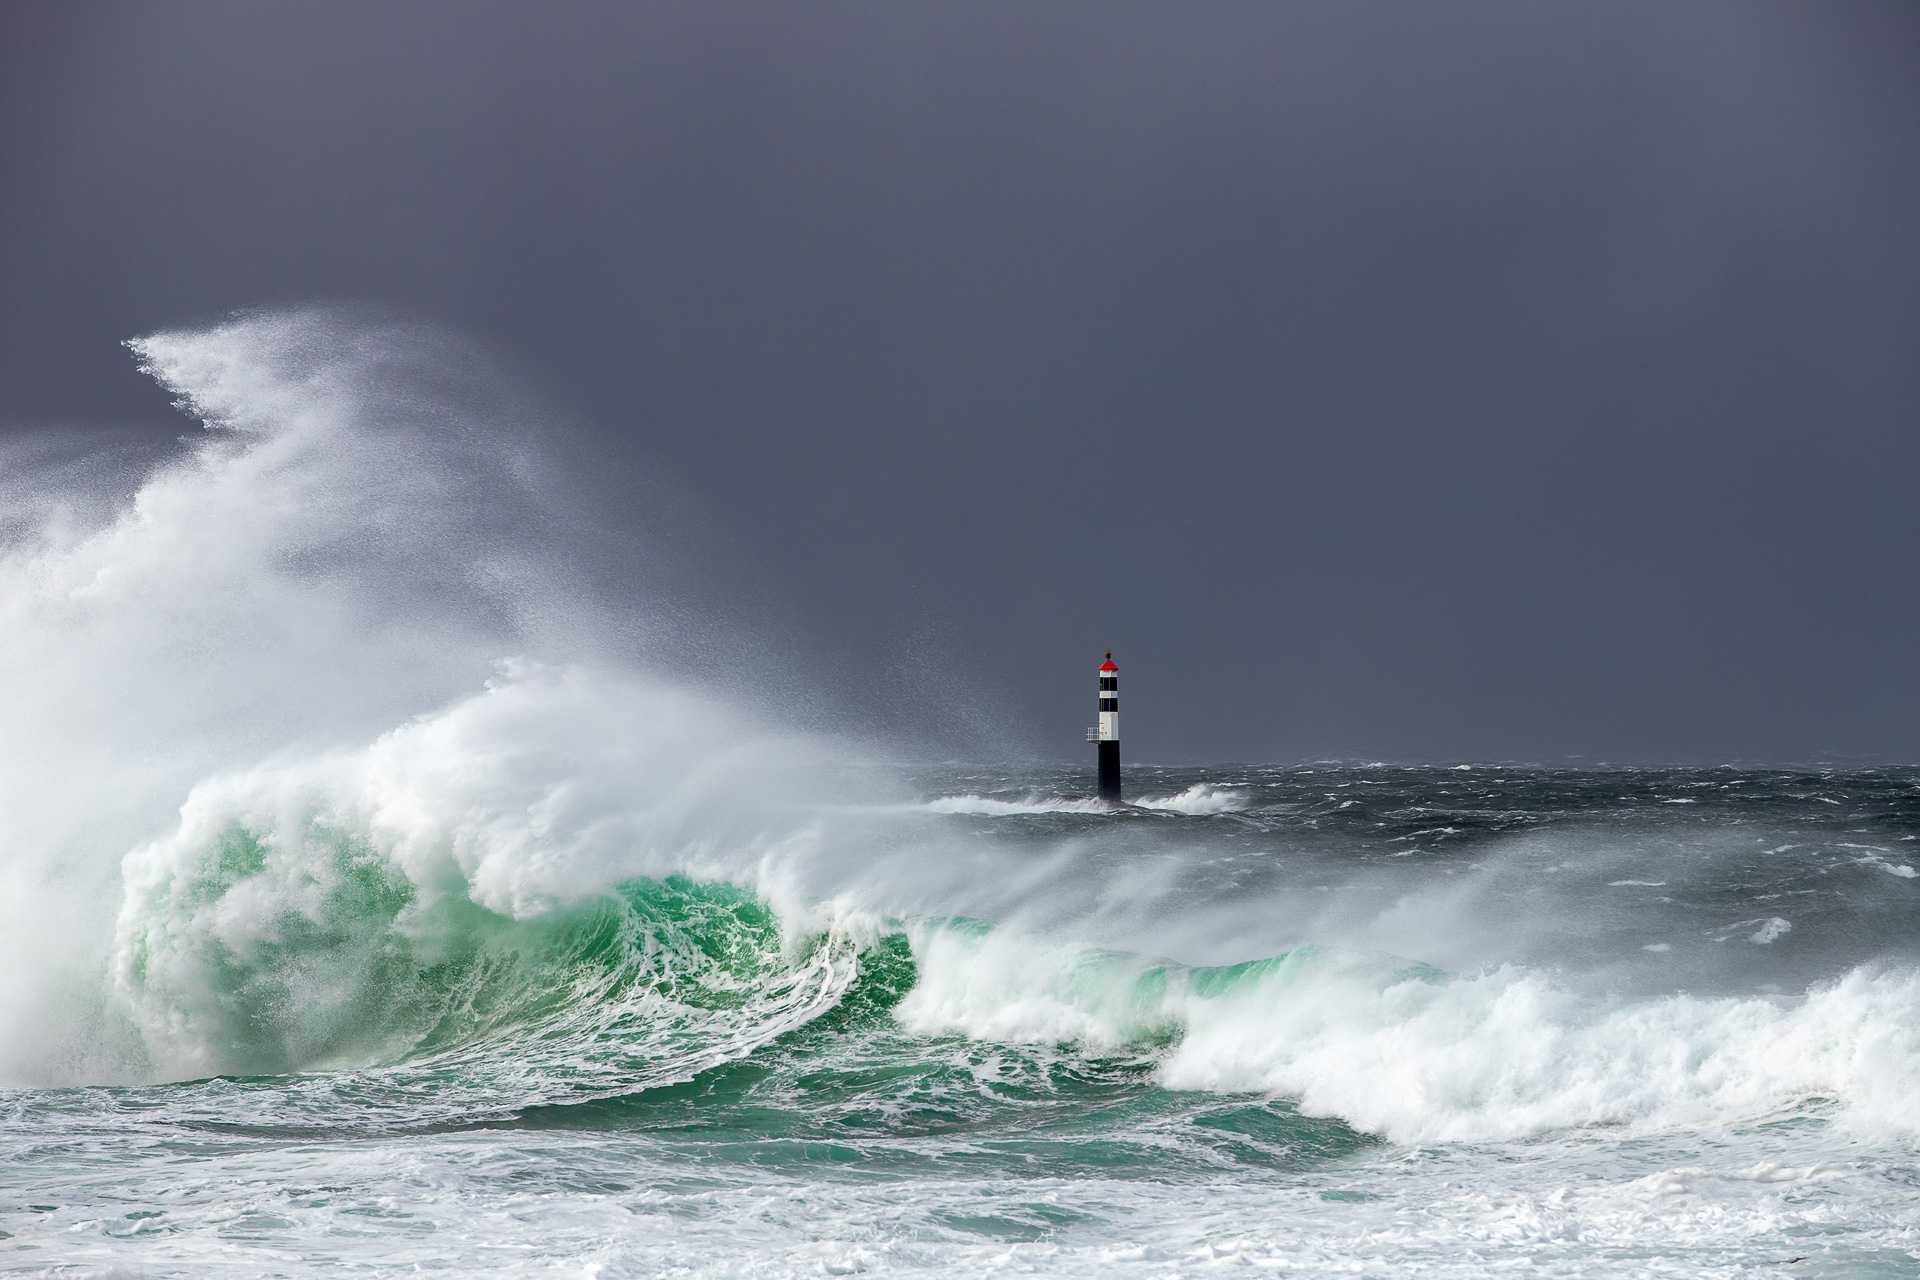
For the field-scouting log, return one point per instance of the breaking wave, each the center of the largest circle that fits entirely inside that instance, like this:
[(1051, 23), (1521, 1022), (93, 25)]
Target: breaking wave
[(473, 875), (1200, 800), (1417, 1055), (319, 698)]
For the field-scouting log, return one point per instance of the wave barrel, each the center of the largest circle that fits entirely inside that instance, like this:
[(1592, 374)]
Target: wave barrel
[(1107, 732)]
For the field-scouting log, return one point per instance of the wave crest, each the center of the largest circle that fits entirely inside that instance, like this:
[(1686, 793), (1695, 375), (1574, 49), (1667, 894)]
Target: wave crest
[(364, 907)]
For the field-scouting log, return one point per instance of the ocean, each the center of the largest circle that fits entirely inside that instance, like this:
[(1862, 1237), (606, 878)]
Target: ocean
[(379, 899)]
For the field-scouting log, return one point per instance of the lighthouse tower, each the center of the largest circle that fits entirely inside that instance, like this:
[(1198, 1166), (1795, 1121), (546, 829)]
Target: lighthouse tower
[(1107, 732)]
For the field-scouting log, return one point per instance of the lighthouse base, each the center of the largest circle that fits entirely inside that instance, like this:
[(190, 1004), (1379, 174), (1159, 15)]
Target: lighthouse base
[(1110, 772)]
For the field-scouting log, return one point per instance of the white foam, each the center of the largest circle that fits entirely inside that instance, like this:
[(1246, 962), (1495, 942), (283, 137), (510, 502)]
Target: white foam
[(616, 1204), (1768, 928), (1200, 799), (1900, 869), (1496, 1055), (988, 807)]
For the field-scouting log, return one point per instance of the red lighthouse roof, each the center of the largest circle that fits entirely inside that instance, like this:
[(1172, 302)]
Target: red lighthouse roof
[(1108, 664)]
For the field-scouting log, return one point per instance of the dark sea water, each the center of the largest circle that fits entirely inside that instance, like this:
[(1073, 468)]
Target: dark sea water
[(378, 897)]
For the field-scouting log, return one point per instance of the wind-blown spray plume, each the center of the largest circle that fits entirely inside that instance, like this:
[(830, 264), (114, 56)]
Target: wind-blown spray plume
[(330, 660)]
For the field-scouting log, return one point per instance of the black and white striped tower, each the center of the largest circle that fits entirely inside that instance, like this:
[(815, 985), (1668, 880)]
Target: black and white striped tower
[(1107, 732)]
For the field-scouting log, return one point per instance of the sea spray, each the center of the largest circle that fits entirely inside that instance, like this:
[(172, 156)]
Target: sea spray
[(341, 617)]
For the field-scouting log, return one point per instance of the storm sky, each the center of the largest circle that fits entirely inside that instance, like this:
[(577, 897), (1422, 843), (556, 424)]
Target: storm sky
[(1444, 381)]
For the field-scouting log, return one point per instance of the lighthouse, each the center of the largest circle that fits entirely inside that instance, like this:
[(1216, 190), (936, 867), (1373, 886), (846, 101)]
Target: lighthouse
[(1107, 732)]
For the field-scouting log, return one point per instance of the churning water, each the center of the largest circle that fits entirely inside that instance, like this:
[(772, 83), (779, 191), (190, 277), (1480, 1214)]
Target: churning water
[(376, 899)]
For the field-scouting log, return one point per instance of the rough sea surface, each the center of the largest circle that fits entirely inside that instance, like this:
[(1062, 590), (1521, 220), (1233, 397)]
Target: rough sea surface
[(377, 898), (1472, 1020)]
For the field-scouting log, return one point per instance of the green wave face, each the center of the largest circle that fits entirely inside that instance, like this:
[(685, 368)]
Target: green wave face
[(247, 961)]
